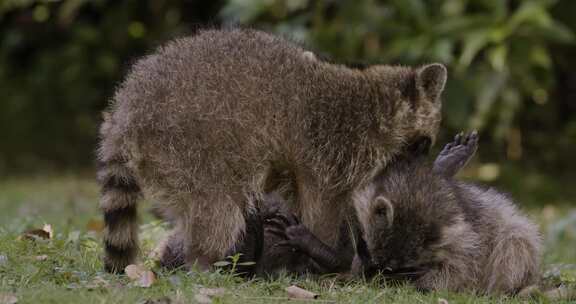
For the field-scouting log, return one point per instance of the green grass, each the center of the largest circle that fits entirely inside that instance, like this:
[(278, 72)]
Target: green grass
[(72, 272)]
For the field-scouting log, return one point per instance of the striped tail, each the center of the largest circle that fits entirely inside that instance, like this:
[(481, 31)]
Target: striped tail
[(120, 194)]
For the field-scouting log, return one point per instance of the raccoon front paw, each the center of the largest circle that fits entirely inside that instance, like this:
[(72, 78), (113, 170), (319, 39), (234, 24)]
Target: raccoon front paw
[(456, 154), (277, 224), (289, 229)]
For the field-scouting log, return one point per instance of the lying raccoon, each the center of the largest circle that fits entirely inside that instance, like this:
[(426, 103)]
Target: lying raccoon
[(419, 223), (277, 241)]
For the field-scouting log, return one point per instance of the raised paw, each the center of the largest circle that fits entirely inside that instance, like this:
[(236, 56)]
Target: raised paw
[(456, 154)]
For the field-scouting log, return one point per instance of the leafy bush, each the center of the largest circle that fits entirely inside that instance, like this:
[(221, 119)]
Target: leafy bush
[(511, 72), (497, 51), (59, 63)]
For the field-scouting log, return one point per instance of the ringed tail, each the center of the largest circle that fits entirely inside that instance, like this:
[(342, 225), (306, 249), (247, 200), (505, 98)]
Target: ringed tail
[(120, 194)]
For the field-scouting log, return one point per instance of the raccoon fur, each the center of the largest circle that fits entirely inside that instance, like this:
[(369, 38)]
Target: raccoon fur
[(207, 119), (275, 242), (441, 233)]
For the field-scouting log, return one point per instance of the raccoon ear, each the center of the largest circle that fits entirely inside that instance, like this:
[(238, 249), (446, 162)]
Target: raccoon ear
[(430, 80), (383, 209)]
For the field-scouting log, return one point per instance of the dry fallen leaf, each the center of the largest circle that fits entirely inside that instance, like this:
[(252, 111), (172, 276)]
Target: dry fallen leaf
[(45, 233), (296, 292), (8, 298), (442, 301), (48, 229), (134, 271), (95, 225), (141, 276)]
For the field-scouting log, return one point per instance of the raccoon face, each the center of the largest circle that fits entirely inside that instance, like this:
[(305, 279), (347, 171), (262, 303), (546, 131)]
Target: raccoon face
[(401, 243), (411, 101), (403, 214)]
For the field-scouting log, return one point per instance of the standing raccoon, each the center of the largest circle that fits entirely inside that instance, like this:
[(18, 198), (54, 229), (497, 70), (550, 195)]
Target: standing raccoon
[(419, 223), (207, 119)]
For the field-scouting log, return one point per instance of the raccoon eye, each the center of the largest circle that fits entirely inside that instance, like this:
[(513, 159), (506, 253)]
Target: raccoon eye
[(383, 209)]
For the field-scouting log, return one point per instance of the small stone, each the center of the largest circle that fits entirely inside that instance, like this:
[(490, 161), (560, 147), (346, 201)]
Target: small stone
[(8, 298), (41, 257), (202, 299)]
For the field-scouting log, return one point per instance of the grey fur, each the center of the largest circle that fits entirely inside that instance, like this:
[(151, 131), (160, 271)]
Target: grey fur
[(207, 119), (446, 234)]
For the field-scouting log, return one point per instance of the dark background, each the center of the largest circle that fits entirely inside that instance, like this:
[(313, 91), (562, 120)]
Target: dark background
[(512, 67)]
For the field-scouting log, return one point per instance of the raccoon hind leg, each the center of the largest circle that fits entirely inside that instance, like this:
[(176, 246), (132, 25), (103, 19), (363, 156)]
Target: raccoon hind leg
[(212, 226), (456, 154), (170, 251), (513, 265)]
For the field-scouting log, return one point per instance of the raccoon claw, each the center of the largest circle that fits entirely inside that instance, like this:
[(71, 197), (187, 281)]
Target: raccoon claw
[(281, 221), (279, 224), (290, 220)]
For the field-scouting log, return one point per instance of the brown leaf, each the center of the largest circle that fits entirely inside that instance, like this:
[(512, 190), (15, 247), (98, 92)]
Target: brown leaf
[(34, 234), (95, 225), (296, 292), (45, 233), (134, 271), (8, 298), (48, 229), (141, 276)]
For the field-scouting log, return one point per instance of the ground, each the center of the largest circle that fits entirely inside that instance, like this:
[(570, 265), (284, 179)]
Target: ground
[(67, 267)]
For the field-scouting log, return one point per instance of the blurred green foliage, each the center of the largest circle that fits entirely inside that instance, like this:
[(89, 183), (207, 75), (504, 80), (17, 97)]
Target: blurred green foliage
[(511, 63), (499, 52), (59, 63)]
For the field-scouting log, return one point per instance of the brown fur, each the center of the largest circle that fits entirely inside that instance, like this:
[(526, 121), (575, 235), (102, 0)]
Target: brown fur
[(207, 119), (445, 234)]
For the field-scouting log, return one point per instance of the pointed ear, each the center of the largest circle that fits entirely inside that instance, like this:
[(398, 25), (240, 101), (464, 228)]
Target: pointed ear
[(383, 209), (430, 80)]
